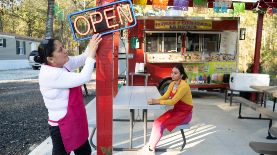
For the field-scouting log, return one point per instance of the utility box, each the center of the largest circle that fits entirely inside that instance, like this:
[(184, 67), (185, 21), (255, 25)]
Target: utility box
[(243, 81)]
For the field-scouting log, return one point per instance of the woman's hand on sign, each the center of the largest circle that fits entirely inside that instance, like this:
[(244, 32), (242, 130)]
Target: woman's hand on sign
[(93, 45)]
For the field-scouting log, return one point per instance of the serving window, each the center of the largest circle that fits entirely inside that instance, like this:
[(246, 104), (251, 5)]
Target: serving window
[(170, 42)]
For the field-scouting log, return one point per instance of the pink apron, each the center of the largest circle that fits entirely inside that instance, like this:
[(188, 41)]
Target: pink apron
[(74, 126), (180, 114)]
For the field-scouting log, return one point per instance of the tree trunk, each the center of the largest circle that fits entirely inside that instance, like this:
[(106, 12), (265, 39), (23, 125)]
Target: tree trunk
[(1, 22), (30, 28), (50, 19), (61, 31)]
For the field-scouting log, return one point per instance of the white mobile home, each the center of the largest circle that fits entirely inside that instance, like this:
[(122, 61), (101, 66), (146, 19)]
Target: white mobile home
[(14, 50)]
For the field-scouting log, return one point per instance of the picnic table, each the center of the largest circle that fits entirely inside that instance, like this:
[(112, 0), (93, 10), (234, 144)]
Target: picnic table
[(239, 91), (267, 90), (135, 97)]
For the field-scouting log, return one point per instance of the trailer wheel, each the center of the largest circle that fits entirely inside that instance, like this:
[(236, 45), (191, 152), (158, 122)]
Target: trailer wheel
[(164, 85), (35, 67)]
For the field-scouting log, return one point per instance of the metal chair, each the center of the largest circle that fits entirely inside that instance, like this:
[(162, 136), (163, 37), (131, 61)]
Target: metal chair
[(92, 124), (182, 128)]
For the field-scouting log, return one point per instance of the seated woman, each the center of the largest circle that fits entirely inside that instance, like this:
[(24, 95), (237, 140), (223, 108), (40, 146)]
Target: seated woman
[(179, 95)]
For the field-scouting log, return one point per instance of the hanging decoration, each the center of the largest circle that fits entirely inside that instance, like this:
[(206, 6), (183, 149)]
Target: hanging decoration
[(260, 7), (238, 8), (220, 6), (274, 10), (138, 10), (140, 2), (228, 3), (270, 11), (224, 7), (160, 4), (181, 5), (199, 6), (216, 7)]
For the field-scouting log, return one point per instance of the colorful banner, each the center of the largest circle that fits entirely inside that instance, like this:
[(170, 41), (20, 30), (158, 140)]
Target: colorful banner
[(140, 2), (220, 7), (184, 24), (239, 8), (160, 4), (181, 5), (274, 10), (199, 6)]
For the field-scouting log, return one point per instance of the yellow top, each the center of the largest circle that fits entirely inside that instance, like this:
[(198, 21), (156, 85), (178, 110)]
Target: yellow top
[(183, 93)]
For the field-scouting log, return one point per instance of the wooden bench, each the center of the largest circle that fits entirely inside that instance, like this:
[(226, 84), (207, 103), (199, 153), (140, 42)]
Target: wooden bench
[(266, 90), (261, 147), (256, 107), (273, 131), (246, 102), (232, 91), (268, 113), (264, 148)]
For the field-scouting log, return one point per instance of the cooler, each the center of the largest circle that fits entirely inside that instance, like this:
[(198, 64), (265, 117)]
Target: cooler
[(243, 81)]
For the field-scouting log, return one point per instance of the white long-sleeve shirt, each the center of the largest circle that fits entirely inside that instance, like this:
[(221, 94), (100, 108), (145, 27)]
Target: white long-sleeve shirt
[(55, 83)]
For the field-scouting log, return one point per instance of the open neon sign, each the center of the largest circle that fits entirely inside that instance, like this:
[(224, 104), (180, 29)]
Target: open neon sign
[(103, 19)]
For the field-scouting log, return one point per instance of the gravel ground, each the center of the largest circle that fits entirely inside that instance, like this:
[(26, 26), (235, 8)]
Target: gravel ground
[(23, 115), (8, 75)]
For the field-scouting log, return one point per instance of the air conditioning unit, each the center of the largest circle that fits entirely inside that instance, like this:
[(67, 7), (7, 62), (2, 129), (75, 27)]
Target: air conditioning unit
[(243, 81)]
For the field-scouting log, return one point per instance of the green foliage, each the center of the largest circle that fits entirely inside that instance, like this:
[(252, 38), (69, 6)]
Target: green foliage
[(200, 2), (250, 68), (58, 12), (269, 61), (269, 45), (21, 17)]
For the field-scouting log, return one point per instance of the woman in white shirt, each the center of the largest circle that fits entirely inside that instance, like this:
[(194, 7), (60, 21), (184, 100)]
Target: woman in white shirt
[(62, 94)]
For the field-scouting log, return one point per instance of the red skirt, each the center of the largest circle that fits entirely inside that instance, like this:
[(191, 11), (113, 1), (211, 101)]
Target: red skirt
[(180, 114)]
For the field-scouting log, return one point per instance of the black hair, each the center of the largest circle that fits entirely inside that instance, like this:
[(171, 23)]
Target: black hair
[(182, 71), (45, 49)]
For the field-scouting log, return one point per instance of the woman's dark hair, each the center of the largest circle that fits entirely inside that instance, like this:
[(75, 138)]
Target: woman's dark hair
[(182, 71), (45, 49)]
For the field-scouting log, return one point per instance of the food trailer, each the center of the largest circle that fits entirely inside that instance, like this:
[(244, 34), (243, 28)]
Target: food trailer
[(207, 48)]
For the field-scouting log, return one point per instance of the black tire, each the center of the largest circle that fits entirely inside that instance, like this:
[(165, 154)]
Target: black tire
[(163, 87), (35, 67)]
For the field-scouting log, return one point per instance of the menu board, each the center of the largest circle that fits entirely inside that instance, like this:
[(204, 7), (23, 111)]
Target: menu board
[(165, 57), (190, 57)]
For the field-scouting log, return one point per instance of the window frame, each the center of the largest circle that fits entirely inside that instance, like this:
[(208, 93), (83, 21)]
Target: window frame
[(1, 42), (20, 49), (201, 42)]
